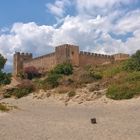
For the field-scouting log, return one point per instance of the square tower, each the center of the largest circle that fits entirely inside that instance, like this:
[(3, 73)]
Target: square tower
[(67, 53), (18, 60)]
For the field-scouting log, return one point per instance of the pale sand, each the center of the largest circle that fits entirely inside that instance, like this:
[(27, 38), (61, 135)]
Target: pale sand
[(52, 120)]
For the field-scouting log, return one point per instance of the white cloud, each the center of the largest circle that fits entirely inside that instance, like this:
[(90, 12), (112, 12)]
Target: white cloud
[(92, 8), (58, 8), (26, 38), (91, 33), (129, 23), (91, 3)]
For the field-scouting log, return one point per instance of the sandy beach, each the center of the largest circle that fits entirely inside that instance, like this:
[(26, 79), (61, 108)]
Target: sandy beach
[(49, 119)]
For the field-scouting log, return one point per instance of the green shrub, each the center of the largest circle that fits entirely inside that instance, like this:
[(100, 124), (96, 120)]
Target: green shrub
[(134, 76), (5, 78), (71, 93), (133, 64), (112, 71), (53, 79), (3, 107), (18, 92), (65, 69), (123, 91), (21, 92), (54, 75), (7, 95), (21, 75), (96, 75), (89, 76), (40, 84)]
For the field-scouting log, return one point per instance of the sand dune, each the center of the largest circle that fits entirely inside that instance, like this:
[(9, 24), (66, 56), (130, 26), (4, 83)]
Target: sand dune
[(51, 120)]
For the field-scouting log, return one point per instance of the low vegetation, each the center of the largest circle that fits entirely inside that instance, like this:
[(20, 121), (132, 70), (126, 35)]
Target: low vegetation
[(127, 80), (18, 92), (133, 64), (3, 108), (71, 93), (121, 79), (54, 76)]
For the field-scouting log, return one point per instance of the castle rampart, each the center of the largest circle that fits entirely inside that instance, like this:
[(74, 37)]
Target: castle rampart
[(42, 63), (87, 58), (63, 53)]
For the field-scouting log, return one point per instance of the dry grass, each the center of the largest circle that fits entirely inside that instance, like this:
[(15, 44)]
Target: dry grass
[(4, 107), (63, 89)]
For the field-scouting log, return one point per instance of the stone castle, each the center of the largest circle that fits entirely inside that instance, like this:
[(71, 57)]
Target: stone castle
[(63, 53)]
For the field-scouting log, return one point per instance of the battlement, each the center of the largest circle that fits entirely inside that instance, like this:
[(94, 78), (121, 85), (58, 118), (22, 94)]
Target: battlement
[(41, 57), (23, 54), (63, 53), (66, 45), (19, 59), (120, 56), (95, 54)]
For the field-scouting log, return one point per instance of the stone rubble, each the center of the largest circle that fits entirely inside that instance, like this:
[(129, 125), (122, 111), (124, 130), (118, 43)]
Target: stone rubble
[(82, 95)]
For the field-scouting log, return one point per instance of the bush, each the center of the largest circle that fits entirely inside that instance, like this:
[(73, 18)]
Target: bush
[(123, 91), (2, 62), (54, 75), (31, 72), (94, 74), (21, 92), (40, 84), (3, 107), (65, 69), (89, 75), (5, 78), (133, 64), (71, 93), (18, 92), (21, 75), (132, 77), (52, 79)]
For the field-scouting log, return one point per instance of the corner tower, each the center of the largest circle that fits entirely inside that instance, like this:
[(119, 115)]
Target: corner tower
[(67, 53), (18, 60)]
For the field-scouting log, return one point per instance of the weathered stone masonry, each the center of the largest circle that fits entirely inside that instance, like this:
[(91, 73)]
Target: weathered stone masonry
[(63, 53)]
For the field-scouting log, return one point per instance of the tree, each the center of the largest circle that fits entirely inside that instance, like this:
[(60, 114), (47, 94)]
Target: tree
[(4, 77), (2, 62)]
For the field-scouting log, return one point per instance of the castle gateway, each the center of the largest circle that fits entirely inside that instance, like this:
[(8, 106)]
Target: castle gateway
[(63, 53)]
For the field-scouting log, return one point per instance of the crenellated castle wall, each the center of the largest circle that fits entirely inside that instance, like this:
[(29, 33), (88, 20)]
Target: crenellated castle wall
[(87, 58), (42, 63), (63, 53)]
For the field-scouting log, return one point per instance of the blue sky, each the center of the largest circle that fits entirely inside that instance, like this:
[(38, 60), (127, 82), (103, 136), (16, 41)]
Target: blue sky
[(12, 11), (37, 26)]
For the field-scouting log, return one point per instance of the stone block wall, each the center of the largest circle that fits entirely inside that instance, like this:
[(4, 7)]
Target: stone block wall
[(120, 56), (18, 61), (87, 58), (63, 53), (67, 53), (42, 63)]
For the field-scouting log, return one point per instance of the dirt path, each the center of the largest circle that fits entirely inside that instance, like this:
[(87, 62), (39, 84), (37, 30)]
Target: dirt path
[(51, 120)]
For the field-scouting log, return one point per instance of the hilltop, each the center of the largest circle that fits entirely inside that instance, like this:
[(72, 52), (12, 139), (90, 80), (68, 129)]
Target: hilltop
[(119, 80)]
